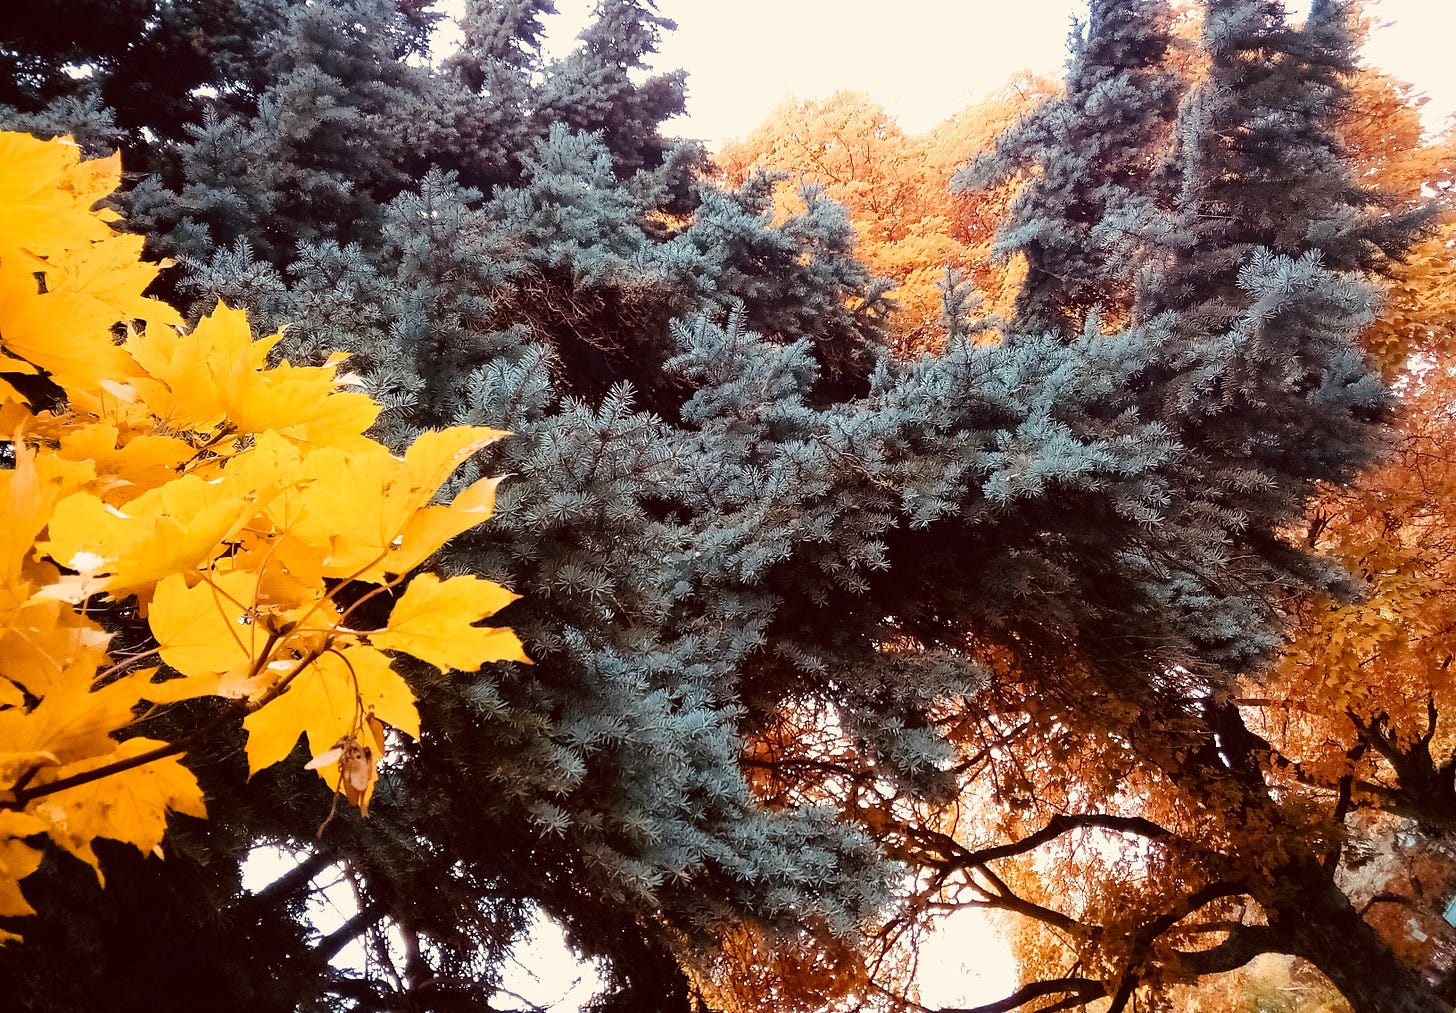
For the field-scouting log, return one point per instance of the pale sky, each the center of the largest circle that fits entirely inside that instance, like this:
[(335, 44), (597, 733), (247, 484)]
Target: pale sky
[(925, 59)]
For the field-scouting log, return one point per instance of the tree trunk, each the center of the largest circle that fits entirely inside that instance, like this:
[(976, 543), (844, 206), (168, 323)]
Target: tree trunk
[(1323, 927)]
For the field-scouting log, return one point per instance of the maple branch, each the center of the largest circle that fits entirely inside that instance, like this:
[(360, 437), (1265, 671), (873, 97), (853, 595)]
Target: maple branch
[(299, 876), (1342, 809), (21, 796), (1002, 897), (1242, 946), (361, 922), (1201, 897), (1424, 790), (952, 853)]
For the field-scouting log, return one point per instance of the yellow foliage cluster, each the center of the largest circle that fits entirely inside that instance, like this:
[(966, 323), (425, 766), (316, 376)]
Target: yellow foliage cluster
[(184, 482)]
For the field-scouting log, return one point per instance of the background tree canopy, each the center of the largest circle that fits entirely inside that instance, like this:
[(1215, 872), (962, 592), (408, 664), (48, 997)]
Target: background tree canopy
[(828, 639)]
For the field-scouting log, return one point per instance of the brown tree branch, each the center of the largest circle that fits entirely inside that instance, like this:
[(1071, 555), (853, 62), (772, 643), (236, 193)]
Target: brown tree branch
[(1079, 990), (1242, 946), (1060, 825), (329, 947)]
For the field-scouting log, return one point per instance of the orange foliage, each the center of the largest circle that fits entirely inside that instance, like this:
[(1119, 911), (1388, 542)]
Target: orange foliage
[(896, 188)]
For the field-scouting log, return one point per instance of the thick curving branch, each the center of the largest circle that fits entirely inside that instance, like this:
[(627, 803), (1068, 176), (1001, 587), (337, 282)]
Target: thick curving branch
[(1058, 826)]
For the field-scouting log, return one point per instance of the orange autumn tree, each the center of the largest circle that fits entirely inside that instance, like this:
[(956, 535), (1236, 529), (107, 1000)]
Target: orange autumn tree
[(1353, 730), (1145, 899), (237, 508), (1356, 719), (896, 188)]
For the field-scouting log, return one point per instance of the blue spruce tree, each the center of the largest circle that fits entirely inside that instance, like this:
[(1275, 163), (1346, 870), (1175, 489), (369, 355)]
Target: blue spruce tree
[(1092, 196)]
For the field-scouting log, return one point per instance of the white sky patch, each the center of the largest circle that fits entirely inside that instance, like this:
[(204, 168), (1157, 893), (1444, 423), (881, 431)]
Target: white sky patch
[(541, 973), (965, 962), (924, 60), (546, 973)]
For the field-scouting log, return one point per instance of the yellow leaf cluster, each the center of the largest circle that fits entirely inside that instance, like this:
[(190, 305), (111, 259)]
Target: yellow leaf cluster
[(186, 483)]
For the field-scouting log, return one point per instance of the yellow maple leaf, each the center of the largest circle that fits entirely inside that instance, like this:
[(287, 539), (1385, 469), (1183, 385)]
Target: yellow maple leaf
[(26, 500), (218, 373), (73, 721), (210, 628), (432, 527), (364, 502), (129, 806), (328, 701), (66, 330), (45, 643), (17, 860), (301, 402), (226, 497), (45, 203), (124, 464), (174, 528), (433, 620), (183, 370), (108, 278), (434, 456)]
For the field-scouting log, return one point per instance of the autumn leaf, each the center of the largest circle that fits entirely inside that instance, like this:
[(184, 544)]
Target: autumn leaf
[(43, 641), (433, 620), (41, 204), (180, 382), (363, 503), (173, 528), (209, 628), (124, 466), (329, 700), (225, 501), (17, 860), (130, 806), (432, 527), (66, 330), (27, 497)]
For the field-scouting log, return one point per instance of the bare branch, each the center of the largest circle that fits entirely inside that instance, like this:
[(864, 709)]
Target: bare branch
[(1077, 990), (1242, 946), (1060, 825), (331, 944)]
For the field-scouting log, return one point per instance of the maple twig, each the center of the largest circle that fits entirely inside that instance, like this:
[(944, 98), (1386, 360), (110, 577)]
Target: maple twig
[(393, 582), (21, 796), (124, 664)]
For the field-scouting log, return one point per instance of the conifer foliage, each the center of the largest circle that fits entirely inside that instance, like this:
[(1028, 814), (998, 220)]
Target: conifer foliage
[(790, 601), (1093, 198)]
